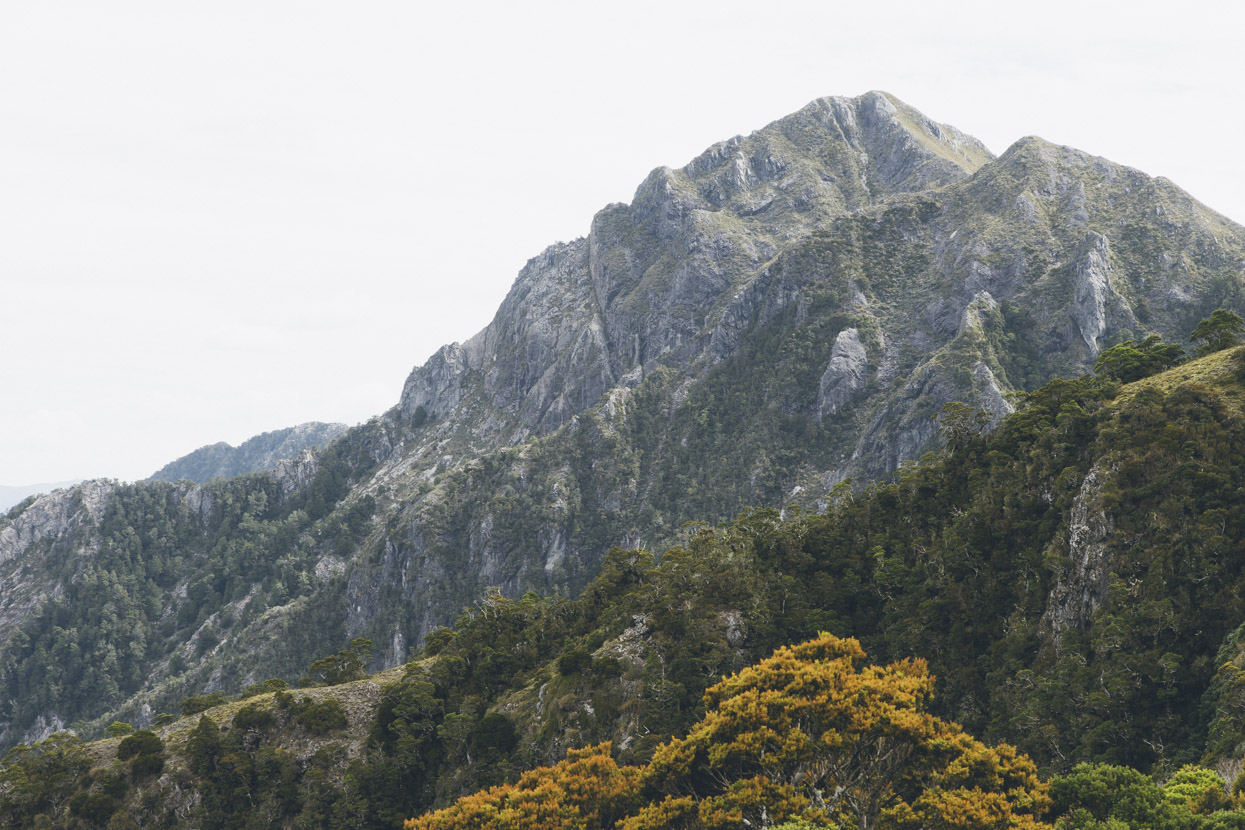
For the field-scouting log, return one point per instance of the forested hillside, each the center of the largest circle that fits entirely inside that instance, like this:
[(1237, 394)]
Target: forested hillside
[(1073, 579)]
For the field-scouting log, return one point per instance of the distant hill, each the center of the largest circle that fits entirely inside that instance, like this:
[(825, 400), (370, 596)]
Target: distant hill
[(254, 455)]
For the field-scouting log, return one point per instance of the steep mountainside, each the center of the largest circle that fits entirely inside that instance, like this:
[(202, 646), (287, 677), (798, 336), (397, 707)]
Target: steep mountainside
[(254, 455), (785, 312), (1074, 579)]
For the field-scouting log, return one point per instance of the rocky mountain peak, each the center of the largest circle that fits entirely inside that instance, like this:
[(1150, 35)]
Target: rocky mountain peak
[(907, 150), (669, 278)]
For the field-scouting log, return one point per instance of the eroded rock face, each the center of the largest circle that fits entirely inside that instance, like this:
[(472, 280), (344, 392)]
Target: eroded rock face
[(846, 375), (990, 392), (294, 474), (965, 270), (1082, 585), (58, 521), (54, 515), (437, 386), (1093, 290), (263, 452), (44, 728)]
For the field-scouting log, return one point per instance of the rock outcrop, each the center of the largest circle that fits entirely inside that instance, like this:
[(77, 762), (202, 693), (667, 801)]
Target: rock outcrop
[(53, 523), (845, 376), (1094, 294), (1082, 585), (649, 283)]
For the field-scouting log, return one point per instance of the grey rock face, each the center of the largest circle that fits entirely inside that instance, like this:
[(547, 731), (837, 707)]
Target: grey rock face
[(54, 515), (1092, 290), (990, 393), (44, 728), (907, 151), (437, 386), (55, 520), (647, 285), (976, 277), (1081, 587), (294, 474), (13, 495), (845, 376), (975, 313)]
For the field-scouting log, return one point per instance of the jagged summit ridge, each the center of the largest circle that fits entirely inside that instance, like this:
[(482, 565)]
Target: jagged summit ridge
[(650, 282), (676, 277)]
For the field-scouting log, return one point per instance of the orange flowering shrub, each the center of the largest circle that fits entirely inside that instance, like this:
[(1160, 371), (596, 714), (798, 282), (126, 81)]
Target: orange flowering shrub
[(806, 734), (586, 790)]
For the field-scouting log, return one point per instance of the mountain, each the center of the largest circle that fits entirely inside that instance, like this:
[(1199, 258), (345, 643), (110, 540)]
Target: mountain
[(11, 495), (1073, 578), (262, 452), (781, 315)]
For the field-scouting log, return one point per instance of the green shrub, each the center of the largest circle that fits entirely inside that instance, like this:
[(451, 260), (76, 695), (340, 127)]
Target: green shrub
[(143, 742), (273, 684), (94, 807), (113, 781), (574, 661), (195, 704), (252, 718), (146, 766), (494, 732), (437, 640), (342, 667), (322, 717), (607, 667), (119, 729)]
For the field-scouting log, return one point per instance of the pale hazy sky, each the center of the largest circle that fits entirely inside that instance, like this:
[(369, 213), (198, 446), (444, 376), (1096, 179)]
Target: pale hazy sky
[(222, 218)]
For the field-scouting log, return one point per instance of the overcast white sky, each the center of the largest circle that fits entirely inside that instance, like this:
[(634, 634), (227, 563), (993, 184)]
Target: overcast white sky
[(222, 218)]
